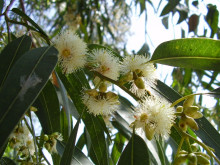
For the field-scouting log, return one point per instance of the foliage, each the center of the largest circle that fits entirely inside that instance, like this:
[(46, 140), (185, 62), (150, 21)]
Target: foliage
[(82, 118)]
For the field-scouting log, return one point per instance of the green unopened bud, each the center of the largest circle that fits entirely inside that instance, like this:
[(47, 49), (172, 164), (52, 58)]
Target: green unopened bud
[(46, 138), (183, 125), (139, 83), (202, 159), (188, 102), (126, 78), (180, 159), (139, 72), (149, 132), (183, 152), (193, 112), (203, 154), (192, 159), (179, 109), (194, 147), (92, 92), (102, 87), (34, 109), (191, 122), (47, 146), (111, 95)]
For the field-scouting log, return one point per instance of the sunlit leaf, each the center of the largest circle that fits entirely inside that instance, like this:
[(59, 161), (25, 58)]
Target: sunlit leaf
[(197, 53)]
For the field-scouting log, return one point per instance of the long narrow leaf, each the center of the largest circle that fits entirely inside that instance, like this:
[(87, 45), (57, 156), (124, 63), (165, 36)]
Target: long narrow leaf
[(22, 86)]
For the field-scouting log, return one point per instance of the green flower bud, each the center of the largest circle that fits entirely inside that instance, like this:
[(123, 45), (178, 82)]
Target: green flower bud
[(92, 92), (180, 159), (149, 132), (194, 147), (192, 159), (183, 152), (188, 102), (202, 160), (203, 154), (179, 109), (191, 122), (139, 83), (126, 78), (46, 138), (111, 95), (193, 112), (102, 87), (183, 125)]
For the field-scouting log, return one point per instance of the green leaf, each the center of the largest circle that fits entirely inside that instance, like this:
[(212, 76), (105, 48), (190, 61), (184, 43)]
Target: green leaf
[(24, 82), (6, 161), (25, 17), (70, 146), (212, 18), (79, 158), (11, 53), (135, 153), (169, 7), (197, 53), (48, 109), (74, 84)]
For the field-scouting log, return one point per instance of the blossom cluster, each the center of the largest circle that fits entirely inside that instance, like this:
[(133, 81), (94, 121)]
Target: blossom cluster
[(153, 115)]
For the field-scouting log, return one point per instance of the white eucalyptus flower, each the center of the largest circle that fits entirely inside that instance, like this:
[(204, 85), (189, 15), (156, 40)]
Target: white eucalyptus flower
[(155, 116), (72, 51), (105, 63)]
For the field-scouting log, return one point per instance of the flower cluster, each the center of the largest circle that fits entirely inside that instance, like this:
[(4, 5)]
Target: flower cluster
[(137, 70), (21, 140), (154, 116), (51, 141)]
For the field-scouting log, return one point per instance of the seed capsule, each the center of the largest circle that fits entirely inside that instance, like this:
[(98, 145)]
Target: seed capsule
[(181, 158), (192, 159), (203, 154), (202, 159), (191, 122)]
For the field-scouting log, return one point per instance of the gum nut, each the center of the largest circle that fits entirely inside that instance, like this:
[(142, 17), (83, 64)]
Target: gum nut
[(188, 102)]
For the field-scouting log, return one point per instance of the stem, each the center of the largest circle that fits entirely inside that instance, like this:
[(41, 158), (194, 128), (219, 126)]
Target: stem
[(34, 137), (180, 146), (188, 143)]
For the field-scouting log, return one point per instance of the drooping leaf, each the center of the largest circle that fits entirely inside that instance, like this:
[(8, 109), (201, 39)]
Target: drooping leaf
[(11, 53), (197, 53), (212, 18), (70, 146), (135, 153), (48, 109), (22, 86), (169, 7), (27, 18), (78, 158)]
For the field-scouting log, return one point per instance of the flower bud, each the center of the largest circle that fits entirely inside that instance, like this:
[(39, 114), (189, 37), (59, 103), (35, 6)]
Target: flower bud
[(202, 159), (180, 159), (139, 83), (188, 102), (102, 87), (179, 109), (193, 112), (203, 154), (92, 92), (111, 95), (192, 159), (183, 125), (149, 132), (191, 122), (46, 138), (126, 78), (183, 152), (194, 147)]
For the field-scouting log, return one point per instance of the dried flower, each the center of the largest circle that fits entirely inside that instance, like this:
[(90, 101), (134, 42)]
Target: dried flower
[(72, 51), (155, 116), (105, 63)]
